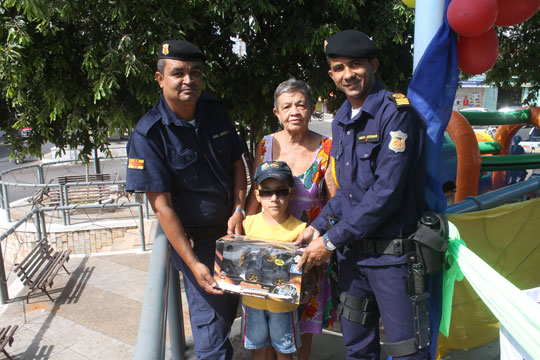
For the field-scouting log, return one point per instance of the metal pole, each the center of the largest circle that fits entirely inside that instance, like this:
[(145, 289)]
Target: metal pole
[(38, 226), (152, 324), (427, 20), (41, 178), (43, 223), (175, 316), (2, 194), (146, 207), (4, 296), (141, 228), (62, 203), (97, 169), (6, 202)]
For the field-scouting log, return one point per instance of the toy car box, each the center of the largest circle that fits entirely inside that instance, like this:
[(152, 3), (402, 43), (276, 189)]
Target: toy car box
[(258, 268)]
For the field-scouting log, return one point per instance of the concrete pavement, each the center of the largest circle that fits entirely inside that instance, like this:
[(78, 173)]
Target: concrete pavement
[(97, 310)]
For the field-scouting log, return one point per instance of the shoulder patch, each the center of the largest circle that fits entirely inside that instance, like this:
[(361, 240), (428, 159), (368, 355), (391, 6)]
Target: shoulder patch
[(400, 100), (397, 141), (136, 164)]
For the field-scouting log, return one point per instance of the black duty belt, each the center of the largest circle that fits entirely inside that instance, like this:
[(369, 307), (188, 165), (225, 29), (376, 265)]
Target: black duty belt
[(199, 232), (372, 247)]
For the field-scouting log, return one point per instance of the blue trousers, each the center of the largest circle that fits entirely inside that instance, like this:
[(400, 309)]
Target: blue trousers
[(211, 316), (387, 284)]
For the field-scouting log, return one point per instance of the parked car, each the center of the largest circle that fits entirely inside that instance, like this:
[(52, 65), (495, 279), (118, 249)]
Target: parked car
[(532, 144), (25, 132)]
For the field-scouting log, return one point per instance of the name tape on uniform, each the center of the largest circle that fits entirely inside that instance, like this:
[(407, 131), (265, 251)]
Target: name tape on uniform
[(368, 138), (223, 133)]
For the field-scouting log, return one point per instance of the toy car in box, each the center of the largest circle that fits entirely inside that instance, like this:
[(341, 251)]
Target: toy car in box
[(258, 268)]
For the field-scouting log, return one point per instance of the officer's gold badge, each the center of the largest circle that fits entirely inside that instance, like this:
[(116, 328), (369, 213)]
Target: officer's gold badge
[(165, 49), (397, 142), (136, 164)]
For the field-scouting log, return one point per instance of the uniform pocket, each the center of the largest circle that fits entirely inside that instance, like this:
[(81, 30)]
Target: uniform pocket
[(205, 330), (222, 150), (221, 143), (366, 154), (184, 165)]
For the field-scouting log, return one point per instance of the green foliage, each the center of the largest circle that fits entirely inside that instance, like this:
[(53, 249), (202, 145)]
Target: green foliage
[(77, 71), (519, 51)]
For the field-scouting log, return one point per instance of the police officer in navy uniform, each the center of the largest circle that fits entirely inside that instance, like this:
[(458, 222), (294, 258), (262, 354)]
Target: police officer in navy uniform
[(378, 164), (187, 157)]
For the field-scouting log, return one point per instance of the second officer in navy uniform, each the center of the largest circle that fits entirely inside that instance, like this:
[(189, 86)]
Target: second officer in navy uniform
[(377, 152), (186, 156)]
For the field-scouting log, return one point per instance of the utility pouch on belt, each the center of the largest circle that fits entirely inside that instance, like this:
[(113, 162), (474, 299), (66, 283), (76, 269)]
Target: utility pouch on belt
[(431, 239)]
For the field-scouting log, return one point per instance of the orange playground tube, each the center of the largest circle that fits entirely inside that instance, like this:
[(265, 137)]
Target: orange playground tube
[(468, 156)]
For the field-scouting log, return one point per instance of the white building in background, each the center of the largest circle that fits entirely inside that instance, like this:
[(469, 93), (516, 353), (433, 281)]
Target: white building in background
[(475, 93)]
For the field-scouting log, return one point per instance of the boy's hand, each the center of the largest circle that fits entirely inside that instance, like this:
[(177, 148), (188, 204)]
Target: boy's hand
[(234, 225), (314, 255), (308, 235)]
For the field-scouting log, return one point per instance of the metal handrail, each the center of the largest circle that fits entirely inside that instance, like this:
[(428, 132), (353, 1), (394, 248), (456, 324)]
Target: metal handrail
[(162, 297), (496, 197)]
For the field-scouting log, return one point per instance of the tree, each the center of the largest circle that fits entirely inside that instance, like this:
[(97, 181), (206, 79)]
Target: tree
[(519, 51), (78, 71)]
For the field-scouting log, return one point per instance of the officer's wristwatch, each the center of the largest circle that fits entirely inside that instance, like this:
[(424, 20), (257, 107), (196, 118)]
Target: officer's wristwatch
[(327, 244), (240, 210)]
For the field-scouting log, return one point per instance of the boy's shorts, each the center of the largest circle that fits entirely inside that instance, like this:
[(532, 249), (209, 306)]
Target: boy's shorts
[(262, 327)]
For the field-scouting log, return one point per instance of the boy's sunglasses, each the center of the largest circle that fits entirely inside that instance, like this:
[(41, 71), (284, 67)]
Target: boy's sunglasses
[(269, 193)]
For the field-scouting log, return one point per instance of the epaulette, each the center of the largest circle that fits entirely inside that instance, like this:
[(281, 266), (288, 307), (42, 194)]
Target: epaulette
[(147, 121), (400, 100)]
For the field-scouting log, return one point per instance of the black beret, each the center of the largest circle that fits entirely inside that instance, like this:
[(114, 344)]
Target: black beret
[(350, 43), (180, 50)]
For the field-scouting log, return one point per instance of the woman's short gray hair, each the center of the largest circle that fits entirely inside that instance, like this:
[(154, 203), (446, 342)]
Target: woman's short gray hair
[(293, 85)]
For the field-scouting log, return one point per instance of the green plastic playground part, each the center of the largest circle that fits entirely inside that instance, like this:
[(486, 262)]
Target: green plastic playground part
[(489, 147), (510, 162), (498, 118)]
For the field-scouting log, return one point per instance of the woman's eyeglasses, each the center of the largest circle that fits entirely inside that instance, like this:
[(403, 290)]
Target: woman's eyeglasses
[(264, 193)]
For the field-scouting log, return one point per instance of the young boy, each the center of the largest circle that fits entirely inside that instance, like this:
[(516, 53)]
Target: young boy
[(266, 322)]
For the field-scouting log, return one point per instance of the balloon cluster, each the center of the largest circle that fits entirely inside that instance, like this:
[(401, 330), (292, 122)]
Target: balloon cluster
[(473, 21)]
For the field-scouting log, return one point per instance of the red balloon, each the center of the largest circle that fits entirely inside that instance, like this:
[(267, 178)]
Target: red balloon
[(512, 12), (478, 54), (472, 17)]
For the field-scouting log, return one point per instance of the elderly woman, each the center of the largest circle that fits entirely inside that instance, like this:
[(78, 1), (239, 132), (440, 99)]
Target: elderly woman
[(307, 154)]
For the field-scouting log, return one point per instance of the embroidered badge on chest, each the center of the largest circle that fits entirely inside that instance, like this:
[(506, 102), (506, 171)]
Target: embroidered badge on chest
[(397, 142)]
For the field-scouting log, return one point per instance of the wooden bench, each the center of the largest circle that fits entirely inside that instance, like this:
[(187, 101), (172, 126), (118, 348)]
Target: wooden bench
[(6, 338), (38, 269), (81, 194)]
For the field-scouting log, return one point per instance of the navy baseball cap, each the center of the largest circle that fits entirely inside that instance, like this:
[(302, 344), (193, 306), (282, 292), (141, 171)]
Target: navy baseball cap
[(180, 50), (350, 43), (278, 170)]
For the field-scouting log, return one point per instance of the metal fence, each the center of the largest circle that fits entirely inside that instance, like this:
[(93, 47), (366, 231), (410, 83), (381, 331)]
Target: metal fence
[(37, 215)]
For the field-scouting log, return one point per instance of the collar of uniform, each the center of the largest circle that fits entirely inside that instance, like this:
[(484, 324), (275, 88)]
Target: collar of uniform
[(370, 105), (168, 116)]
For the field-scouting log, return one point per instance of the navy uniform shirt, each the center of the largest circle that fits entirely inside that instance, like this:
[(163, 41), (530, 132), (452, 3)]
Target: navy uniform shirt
[(193, 163), (380, 172)]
